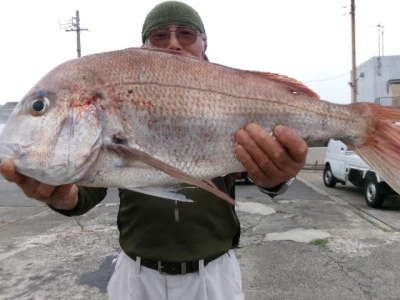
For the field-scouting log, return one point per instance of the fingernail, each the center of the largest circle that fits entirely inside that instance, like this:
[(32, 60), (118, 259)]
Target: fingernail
[(278, 129), (251, 127)]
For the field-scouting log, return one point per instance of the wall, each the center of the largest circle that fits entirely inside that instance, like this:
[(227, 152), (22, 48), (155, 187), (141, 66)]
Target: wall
[(373, 77), (315, 158)]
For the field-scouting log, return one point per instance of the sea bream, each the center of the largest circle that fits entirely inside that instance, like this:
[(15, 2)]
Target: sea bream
[(148, 119)]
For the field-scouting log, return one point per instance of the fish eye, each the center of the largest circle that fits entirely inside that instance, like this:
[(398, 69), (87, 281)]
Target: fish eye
[(39, 106)]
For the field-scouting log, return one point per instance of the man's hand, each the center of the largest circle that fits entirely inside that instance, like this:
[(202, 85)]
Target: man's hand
[(60, 197), (270, 160)]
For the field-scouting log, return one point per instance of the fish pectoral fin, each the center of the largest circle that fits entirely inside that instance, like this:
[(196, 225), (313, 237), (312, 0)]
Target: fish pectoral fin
[(131, 154)]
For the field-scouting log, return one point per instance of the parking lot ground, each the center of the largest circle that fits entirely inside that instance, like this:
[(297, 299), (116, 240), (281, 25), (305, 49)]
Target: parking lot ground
[(309, 243)]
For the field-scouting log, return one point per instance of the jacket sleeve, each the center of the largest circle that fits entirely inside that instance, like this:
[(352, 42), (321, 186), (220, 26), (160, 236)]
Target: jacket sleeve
[(88, 197)]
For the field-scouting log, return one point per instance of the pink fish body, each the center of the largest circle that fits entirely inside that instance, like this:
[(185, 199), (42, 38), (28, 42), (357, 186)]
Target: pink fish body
[(136, 118)]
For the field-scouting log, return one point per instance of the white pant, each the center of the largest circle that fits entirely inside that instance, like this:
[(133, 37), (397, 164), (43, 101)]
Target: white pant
[(219, 280)]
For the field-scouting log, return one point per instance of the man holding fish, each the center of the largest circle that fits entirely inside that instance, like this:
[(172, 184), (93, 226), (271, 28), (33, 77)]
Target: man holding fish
[(172, 249)]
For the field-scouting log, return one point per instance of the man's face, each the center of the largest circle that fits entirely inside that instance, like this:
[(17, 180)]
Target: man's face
[(181, 38)]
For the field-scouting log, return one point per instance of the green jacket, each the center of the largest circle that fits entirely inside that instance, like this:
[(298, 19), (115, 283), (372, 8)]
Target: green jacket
[(168, 230)]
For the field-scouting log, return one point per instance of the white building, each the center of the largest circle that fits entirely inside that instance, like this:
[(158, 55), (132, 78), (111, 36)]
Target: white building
[(6, 110), (378, 80)]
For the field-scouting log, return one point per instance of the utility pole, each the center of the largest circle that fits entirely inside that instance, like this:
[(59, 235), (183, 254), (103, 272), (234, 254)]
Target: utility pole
[(74, 25), (380, 40), (353, 53)]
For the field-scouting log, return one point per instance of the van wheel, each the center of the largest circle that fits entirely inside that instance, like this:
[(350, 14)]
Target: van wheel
[(329, 179), (373, 192)]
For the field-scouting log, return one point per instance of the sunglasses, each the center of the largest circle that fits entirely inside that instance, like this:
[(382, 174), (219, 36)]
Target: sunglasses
[(186, 35)]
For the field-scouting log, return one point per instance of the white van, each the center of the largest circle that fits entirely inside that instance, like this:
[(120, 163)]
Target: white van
[(343, 165)]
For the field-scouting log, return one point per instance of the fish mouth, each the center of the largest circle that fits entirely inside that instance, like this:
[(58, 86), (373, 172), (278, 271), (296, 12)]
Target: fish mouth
[(12, 151)]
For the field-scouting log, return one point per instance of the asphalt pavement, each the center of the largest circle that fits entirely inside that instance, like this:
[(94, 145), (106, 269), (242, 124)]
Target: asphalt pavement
[(310, 243)]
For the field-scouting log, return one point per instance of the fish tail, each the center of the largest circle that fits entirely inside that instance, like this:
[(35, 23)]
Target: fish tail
[(381, 149)]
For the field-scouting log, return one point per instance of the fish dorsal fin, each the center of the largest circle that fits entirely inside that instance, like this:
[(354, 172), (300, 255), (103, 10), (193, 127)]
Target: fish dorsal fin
[(294, 85)]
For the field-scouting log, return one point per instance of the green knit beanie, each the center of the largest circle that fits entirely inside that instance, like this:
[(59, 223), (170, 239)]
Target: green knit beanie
[(172, 13)]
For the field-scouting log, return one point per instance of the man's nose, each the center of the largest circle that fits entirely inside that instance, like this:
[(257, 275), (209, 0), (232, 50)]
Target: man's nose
[(173, 42)]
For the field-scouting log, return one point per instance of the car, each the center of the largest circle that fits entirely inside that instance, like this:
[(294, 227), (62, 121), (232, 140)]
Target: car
[(343, 165), (243, 177)]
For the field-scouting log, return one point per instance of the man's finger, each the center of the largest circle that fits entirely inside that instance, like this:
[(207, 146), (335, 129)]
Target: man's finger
[(9, 171), (266, 151), (291, 142)]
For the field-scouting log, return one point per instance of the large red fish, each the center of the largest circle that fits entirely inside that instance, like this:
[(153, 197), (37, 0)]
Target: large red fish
[(147, 119)]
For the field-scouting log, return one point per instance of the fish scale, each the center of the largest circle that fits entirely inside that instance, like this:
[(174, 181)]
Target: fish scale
[(140, 118)]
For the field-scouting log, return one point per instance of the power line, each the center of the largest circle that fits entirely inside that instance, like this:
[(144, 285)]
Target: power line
[(329, 78)]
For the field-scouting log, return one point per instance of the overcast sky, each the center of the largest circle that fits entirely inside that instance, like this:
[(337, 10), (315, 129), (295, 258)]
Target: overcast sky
[(309, 40)]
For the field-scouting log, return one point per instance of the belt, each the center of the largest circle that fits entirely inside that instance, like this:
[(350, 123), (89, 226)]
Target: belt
[(175, 268)]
